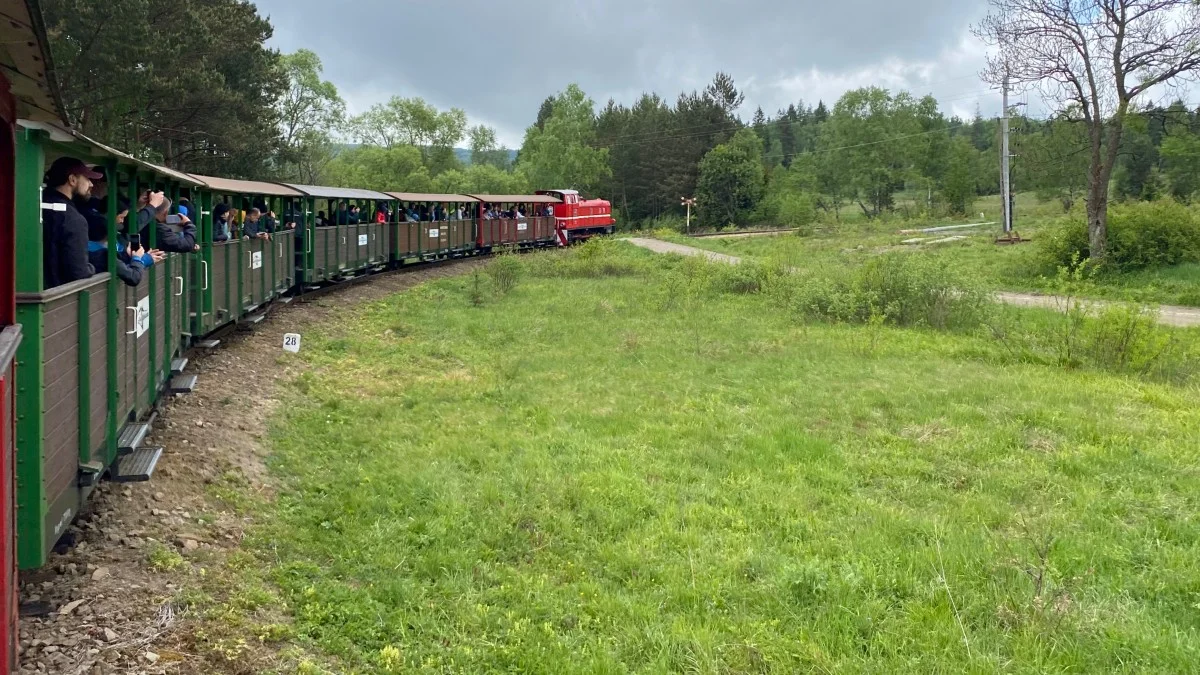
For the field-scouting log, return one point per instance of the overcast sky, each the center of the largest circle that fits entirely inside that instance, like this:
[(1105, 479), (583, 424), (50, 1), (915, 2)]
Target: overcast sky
[(499, 59)]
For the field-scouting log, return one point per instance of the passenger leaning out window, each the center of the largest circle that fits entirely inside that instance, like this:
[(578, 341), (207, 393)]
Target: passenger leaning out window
[(64, 229), (253, 228), (222, 230), (132, 258), (156, 208)]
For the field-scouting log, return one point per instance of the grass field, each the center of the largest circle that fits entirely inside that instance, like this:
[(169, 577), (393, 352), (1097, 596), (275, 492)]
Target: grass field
[(598, 472), (1014, 268)]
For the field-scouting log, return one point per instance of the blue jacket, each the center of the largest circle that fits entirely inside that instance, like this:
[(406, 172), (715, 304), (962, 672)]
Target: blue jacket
[(129, 269)]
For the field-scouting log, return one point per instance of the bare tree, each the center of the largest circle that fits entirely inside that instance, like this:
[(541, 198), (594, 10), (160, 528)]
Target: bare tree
[(1096, 56)]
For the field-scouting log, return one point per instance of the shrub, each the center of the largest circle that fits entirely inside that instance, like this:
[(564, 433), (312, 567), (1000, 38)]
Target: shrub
[(745, 278), (597, 257), (505, 271), (1124, 339), (896, 288), (797, 211), (1140, 235)]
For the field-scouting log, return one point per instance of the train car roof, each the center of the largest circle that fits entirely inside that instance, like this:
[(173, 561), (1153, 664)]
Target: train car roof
[(518, 199), (25, 59), (61, 134), (321, 192), (429, 197), (247, 187)]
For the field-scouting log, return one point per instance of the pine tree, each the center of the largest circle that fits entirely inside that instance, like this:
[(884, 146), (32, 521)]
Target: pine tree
[(787, 136), (821, 113), (760, 126)]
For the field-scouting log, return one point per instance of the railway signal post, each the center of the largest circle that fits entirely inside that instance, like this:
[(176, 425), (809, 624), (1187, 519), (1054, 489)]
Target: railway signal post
[(688, 202)]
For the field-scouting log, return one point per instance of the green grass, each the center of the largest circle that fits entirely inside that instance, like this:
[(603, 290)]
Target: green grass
[(1012, 268), (610, 474)]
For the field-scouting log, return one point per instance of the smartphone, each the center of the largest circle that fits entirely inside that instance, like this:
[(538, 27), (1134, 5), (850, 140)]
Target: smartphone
[(135, 242), (174, 219)]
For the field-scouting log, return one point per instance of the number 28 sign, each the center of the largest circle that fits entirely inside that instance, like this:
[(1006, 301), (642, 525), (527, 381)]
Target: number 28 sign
[(291, 343)]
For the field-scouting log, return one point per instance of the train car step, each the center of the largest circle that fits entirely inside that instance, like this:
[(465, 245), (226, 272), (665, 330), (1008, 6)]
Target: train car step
[(138, 467), (250, 322), (179, 365), (131, 437), (209, 344), (183, 384)]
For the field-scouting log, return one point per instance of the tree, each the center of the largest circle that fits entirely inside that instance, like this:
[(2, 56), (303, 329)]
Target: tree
[(132, 76), (545, 111), (1055, 159), (959, 187), (731, 179), (1181, 164), (872, 143), (760, 126), (561, 154), (821, 113), (725, 94), (310, 113), (485, 149), (412, 121), (787, 135), (1100, 57), (374, 168)]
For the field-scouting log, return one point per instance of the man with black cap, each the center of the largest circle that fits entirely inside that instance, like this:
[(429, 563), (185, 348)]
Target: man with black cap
[(64, 229)]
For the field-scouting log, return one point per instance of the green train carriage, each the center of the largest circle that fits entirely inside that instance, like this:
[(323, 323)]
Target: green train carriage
[(98, 353)]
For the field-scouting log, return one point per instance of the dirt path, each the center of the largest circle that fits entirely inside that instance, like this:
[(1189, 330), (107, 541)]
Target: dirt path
[(113, 610), (1168, 315)]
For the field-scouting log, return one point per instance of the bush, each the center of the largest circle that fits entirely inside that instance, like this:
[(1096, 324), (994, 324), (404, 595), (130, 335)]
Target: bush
[(597, 257), (898, 289), (745, 278), (1140, 235), (797, 211), (505, 271), (1124, 339)]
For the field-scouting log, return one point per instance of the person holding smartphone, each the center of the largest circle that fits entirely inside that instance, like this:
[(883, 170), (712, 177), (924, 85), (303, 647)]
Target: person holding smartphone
[(132, 258), (156, 208), (253, 228)]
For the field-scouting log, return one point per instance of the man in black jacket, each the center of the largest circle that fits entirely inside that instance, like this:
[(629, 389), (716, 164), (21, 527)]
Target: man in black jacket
[(157, 209), (64, 229)]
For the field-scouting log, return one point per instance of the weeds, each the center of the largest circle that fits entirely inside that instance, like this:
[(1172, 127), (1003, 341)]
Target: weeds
[(163, 558), (505, 271)]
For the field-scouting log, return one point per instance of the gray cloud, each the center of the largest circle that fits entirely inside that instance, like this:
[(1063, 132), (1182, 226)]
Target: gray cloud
[(499, 60)]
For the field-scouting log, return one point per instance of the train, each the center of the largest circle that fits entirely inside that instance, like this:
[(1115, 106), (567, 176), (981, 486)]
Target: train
[(84, 365)]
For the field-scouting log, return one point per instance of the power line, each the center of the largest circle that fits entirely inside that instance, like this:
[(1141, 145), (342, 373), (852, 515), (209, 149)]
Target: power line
[(863, 145)]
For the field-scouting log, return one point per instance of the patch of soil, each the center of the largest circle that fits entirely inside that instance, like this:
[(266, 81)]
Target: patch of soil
[(112, 599)]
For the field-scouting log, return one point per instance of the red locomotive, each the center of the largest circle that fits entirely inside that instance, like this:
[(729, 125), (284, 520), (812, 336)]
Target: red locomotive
[(581, 218)]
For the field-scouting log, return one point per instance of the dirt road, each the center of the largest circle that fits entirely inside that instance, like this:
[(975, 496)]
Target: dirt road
[(1168, 315)]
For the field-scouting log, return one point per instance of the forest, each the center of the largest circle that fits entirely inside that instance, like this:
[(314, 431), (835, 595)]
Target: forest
[(148, 76)]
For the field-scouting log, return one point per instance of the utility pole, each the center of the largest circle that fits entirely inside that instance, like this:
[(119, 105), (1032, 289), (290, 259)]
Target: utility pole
[(1005, 186)]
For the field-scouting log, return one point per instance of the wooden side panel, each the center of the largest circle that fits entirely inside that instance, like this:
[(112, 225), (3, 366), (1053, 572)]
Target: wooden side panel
[(142, 368), (219, 279), (253, 263), (162, 331), (407, 239), (323, 251), (127, 353), (344, 249), (60, 403), (97, 379)]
